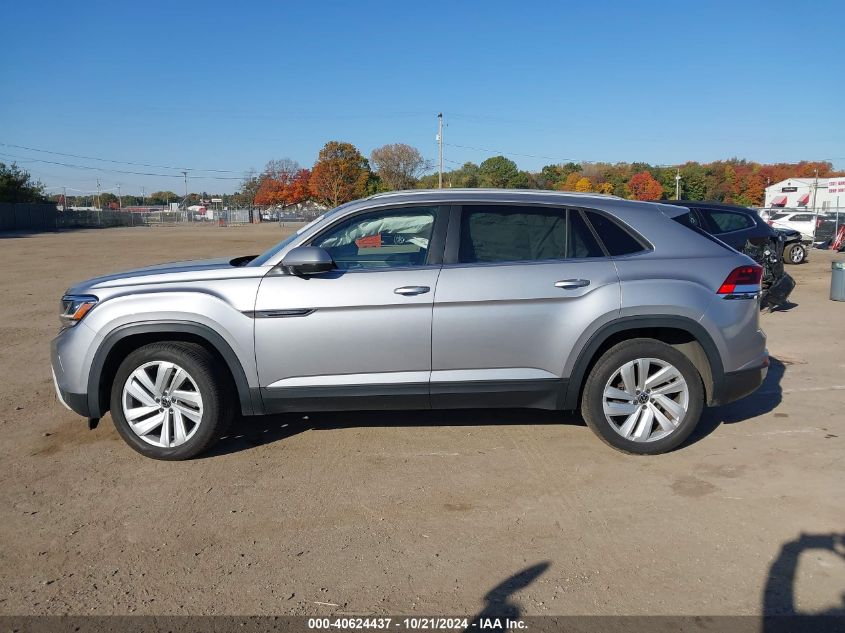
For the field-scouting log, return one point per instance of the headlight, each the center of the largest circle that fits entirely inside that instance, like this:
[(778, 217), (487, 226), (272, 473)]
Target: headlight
[(74, 307)]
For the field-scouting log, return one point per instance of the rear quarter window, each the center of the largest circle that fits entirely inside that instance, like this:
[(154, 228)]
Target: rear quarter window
[(616, 239), (727, 221)]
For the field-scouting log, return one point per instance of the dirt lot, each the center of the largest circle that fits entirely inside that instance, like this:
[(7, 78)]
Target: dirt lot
[(443, 512)]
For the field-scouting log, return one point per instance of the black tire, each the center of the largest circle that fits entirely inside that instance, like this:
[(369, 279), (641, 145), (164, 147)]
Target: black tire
[(212, 383), (592, 408), (795, 254)]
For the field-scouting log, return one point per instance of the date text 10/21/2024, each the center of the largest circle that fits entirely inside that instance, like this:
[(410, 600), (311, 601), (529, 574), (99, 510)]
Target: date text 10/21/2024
[(417, 623)]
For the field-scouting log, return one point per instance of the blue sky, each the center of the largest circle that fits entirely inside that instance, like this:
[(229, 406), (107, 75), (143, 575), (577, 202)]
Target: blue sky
[(229, 86)]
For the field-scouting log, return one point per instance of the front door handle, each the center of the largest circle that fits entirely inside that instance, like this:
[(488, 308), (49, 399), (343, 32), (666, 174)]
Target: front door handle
[(412, 290), (571, 284)]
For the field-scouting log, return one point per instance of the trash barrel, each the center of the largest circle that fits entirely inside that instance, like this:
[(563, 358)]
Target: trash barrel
[(837, 281)]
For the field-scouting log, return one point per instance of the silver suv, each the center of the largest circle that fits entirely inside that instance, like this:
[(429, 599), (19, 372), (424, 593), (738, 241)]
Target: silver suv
[(426, 299)]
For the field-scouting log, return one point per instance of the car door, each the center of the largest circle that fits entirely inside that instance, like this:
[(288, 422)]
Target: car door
[(519, 285), (358, 336), (732, 227)]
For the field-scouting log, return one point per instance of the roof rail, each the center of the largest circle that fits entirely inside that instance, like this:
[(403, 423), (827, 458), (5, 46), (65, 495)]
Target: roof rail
[(462, 190)]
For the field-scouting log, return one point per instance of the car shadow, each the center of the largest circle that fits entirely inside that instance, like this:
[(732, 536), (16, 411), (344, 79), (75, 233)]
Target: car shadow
[(764, 400), (249, 432), (266, 429)]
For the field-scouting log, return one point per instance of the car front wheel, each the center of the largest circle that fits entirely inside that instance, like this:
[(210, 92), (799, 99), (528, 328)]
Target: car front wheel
[(168, 400), (643, 396), (795, 254)]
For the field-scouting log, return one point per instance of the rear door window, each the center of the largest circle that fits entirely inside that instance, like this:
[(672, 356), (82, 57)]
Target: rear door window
[(523, 233)]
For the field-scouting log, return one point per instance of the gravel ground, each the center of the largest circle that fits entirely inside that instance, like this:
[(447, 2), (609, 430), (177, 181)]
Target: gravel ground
[(403, 513)]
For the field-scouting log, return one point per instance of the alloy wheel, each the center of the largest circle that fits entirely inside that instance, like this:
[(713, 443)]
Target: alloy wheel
[(645, 400), (162, 404)]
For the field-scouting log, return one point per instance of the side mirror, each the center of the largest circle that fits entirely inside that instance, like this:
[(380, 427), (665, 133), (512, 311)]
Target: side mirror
[(308, 260)]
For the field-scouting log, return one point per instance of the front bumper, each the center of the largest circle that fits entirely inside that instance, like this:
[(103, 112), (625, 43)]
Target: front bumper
[(71, 398)]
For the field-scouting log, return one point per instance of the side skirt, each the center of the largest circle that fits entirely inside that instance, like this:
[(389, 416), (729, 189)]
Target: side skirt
[(516, 394)]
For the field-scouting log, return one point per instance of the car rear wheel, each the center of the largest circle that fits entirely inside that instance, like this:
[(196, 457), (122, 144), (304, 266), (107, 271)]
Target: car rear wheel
[(795, 254), (643, 397), (169, 401)]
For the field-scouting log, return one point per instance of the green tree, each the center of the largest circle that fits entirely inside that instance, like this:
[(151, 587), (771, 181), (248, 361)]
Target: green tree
[(107, 200), (16, 185), (498, 172), (162, 197)]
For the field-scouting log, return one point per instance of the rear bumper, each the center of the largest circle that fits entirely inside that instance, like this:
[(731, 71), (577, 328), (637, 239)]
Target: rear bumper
[(738, 384)]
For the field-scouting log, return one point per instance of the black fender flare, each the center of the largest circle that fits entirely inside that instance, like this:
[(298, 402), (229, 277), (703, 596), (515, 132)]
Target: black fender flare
[(248, 404), (573, 386)]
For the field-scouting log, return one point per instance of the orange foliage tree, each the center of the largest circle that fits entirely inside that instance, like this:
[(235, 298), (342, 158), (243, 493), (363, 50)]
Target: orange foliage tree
[(283, 183), (340, 174), (643, 186)]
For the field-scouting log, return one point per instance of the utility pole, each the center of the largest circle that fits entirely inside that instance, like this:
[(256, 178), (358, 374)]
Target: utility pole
[(185, 174), (678, 184), (98, 193), (143, 197), (440, 150), (119, 201), (64, 198)]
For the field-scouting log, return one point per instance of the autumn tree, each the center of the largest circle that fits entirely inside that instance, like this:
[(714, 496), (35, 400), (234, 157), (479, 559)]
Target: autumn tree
[(583, 185), (643, 186), (570, 182), (283, 182), (340, 174), (398, 165)]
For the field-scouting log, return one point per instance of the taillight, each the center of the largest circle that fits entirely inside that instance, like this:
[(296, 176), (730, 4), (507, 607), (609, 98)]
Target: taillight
[(818, 222), (745, 279), (771, 222)]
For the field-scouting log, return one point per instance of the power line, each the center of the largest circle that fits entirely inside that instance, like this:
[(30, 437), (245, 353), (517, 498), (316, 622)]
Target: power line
[(116, 171), (495, 151), (118, 162)]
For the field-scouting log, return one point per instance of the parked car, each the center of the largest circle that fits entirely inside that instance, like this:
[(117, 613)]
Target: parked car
[(802, 221), (737, 225), (490, 299)]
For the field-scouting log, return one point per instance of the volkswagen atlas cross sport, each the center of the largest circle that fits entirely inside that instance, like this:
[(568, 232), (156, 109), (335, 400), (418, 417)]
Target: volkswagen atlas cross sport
[(426, 299)]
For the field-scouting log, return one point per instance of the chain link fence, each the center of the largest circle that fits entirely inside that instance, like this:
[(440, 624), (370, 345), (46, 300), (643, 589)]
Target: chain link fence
[(96, 218)]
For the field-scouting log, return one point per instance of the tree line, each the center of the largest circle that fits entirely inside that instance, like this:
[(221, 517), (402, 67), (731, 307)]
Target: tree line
[(341, 173)]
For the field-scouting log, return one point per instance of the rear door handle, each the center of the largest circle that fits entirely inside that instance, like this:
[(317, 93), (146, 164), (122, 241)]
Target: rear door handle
[(412, 290), (571, 284)]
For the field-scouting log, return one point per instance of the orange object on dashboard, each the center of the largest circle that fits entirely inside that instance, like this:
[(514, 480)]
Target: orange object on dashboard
[(370, 241)]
